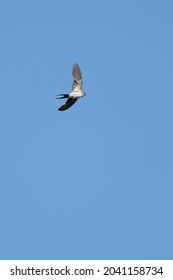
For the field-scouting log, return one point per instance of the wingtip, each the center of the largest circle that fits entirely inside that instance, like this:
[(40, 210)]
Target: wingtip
[(63, 108)]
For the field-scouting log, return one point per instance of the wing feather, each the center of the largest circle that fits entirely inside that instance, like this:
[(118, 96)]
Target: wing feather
[(77, 83), (68, 104)]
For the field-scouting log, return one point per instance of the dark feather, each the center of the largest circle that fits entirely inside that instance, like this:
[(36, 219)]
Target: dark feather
[(68, 104)]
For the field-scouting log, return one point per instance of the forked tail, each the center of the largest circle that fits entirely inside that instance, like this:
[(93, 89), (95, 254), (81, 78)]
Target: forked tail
[(62, 96)]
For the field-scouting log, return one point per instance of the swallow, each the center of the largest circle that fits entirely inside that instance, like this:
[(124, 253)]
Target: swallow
[(76, 89)]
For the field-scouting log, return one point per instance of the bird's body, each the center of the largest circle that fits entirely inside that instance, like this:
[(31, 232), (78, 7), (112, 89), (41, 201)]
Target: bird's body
[(76, 89)]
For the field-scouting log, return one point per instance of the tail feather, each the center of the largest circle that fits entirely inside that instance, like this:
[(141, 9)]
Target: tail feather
[(62, 96)]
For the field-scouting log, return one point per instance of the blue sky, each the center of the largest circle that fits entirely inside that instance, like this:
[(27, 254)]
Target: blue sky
[(96, 181)]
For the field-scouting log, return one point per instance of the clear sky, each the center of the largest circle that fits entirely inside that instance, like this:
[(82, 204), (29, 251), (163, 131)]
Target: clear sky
[(95, 181)]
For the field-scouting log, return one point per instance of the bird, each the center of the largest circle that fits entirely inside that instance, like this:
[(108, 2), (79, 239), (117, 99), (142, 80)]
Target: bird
[(76, 89)]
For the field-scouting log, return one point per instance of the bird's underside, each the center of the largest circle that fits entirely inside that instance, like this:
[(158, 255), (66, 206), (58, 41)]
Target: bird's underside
[(76, 89)]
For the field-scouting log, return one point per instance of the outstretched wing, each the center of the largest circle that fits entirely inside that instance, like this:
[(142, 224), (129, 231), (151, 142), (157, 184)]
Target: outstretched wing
[(68, 104), (77, 83)]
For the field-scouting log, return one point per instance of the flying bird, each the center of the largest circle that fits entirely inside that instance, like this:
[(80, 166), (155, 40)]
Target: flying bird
[(76, 89)]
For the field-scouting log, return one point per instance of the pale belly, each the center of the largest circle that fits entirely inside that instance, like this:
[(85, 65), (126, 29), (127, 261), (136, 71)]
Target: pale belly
[(76, 94)]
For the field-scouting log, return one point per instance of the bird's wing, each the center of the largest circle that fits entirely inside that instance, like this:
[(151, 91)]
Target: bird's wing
[(68, 104), (77, 83)]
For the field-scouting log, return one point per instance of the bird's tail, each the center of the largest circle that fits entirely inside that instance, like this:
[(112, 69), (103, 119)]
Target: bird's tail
[(61, 96)]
